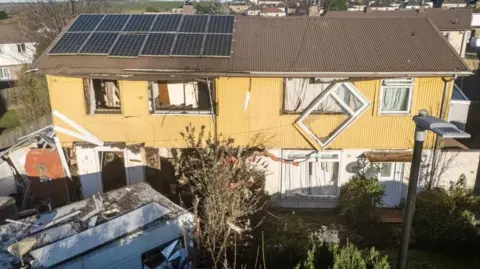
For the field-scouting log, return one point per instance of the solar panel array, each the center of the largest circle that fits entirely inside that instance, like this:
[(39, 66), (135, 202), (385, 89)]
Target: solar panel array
[(124, 35)]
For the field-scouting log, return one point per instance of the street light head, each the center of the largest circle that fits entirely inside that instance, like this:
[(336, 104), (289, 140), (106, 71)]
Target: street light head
[(440, 127), (423, 113)]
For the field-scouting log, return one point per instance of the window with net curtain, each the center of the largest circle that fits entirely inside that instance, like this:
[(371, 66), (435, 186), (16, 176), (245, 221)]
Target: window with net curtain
[(300, 93), (396, 95)]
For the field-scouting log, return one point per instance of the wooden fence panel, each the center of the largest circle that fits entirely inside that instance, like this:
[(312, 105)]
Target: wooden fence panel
[(10, 138)]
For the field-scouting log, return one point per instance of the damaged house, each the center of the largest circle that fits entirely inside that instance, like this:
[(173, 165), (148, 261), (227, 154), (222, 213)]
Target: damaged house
[(326, 95), (134, 227)]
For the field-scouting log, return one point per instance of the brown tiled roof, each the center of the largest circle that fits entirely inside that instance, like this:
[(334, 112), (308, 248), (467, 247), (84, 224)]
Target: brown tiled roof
[(12, 34), (271, 10), (299, 46), (444, 19)]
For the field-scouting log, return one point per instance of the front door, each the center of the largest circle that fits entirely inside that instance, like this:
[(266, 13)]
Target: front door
[(390, 176)]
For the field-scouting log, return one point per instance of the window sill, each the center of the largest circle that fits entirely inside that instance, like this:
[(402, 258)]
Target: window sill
[(106, 112), (394, 114), (182, 113)]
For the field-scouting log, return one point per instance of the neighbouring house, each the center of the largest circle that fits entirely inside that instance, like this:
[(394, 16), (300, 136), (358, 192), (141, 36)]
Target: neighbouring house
[(134, 227), (272, 12), (324, 107), (239, 8), (16, 50), (454, 24), (252, 11)]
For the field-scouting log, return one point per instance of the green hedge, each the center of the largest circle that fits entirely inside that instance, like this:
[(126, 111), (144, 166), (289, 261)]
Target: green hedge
[(446, 221), (359, 197)]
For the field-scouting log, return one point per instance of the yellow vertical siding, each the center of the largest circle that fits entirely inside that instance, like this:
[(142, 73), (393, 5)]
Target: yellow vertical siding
[(134, 125), (263, 116), (262, 120)]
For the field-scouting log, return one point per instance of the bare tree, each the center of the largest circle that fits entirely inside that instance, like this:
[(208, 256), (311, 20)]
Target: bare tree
[(436, 165), (226, 183), (43, 20)]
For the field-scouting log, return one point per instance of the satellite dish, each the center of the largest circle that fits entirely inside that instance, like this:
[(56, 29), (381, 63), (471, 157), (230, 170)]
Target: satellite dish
[(21, 248)]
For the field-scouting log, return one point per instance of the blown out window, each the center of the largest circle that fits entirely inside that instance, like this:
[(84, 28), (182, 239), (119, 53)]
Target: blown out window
[(193, 97), (102, 96)]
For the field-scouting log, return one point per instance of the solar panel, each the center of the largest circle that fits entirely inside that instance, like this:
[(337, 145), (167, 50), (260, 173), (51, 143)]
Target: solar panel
[(139, 23), (217, 45), (167, 23), (99, 43), (194, 24), (128, 45), (158, 44), (85, 23), (221, 24), (188, 45), (69, 43), (112, 23)]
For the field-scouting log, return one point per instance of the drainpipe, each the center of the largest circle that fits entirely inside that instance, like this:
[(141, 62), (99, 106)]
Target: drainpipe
[(438, 139)]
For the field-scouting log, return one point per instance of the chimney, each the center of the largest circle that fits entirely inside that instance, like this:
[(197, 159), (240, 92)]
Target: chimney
[(188, 8)]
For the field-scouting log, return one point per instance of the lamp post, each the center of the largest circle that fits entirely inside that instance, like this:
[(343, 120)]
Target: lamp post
[(442, 128)]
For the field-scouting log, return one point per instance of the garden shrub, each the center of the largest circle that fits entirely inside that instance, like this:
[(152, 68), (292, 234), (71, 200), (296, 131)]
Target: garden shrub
[(445, 220), (321, 256), (358, 198)]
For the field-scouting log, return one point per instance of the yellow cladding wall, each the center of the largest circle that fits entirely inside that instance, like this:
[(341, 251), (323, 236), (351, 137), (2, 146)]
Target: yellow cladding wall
[(134, 125), (262, 120)]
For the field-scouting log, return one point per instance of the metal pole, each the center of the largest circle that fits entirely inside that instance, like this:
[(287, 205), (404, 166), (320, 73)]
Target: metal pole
[(412, 193)]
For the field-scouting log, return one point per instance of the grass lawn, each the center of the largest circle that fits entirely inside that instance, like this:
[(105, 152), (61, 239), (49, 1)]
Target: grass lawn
[(9, 120), (142, 5)]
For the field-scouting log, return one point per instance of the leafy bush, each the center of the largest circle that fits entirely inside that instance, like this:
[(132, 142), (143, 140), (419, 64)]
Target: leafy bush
[(445, 220), (358, 198), (3, 15), (322, 256), (151, 9)]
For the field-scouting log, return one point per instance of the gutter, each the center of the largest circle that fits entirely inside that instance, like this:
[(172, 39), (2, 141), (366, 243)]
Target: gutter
[(307, 74)]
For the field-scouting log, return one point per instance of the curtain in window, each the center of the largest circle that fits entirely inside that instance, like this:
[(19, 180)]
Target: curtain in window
[(395, 98), (311, 178), (300, 93)]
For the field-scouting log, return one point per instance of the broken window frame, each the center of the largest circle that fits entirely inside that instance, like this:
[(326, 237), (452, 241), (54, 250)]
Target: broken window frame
[(392, 84), (90, 101), (327, 84), (182, 111), (331, 92)]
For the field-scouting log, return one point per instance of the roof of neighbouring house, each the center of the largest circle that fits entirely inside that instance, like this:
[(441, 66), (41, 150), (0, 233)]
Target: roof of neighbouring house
[(271, 10), (13, 34), (67, 225), (373, 46), (253, 8), (444, 19)]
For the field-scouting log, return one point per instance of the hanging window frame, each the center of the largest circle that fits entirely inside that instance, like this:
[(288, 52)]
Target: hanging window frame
[(193, 112), (331, 92), (393, 83)]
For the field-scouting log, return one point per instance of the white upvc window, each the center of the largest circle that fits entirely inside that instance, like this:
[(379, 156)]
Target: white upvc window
[(396, 96), (315, 175), (4, 74)]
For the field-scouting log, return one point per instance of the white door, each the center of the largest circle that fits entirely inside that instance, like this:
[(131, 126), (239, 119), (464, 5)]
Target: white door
[(390, 176), (313, 174)]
